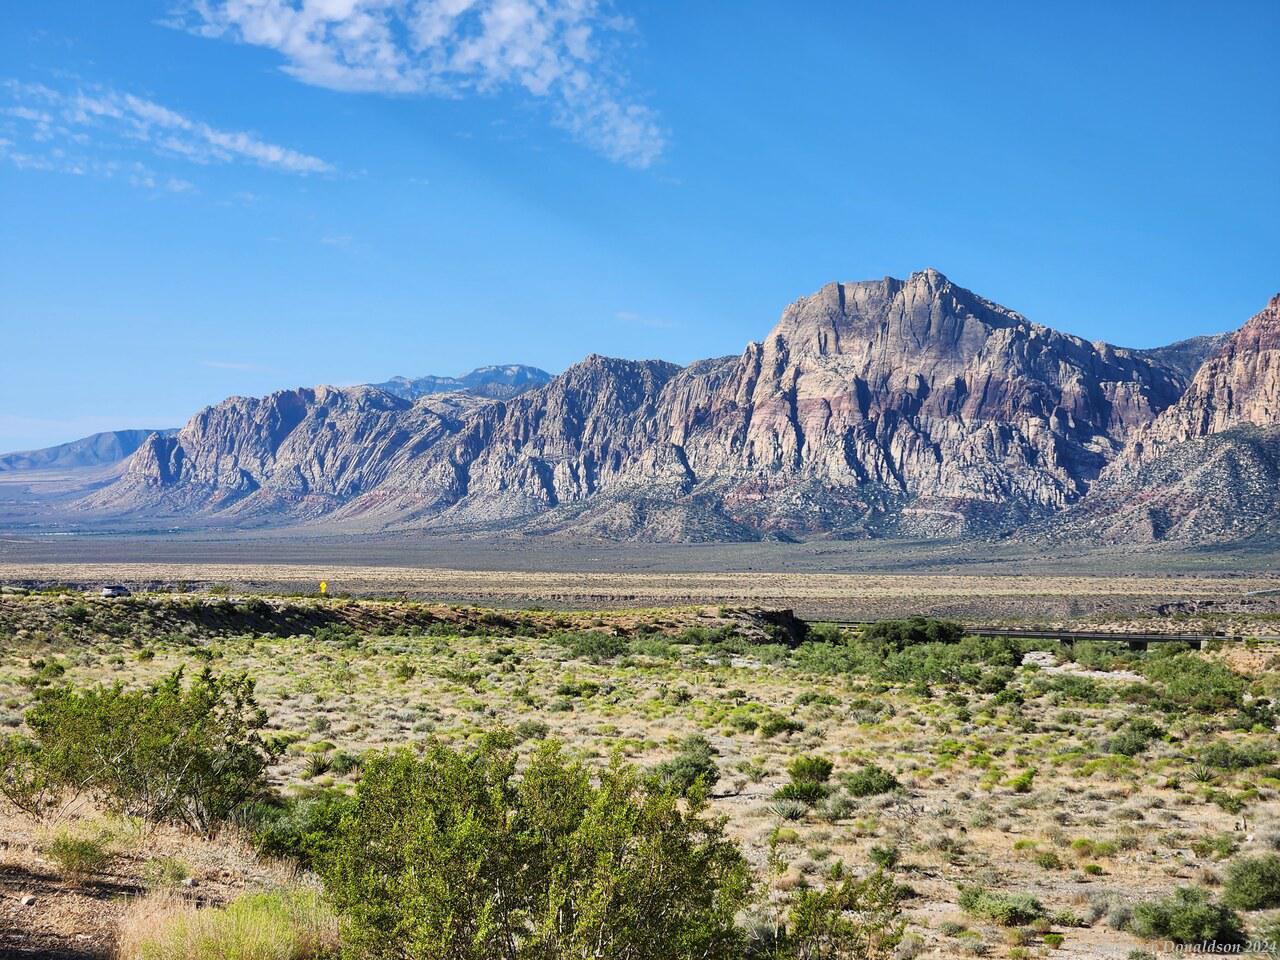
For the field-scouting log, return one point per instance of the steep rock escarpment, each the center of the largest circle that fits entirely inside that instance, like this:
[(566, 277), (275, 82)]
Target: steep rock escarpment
[(293, 454), (1207, 469), (892, 407), (907, 405)]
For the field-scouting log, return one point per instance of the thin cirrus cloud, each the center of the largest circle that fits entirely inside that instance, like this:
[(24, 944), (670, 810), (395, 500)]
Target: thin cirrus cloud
[(97, 131), (560, 52)]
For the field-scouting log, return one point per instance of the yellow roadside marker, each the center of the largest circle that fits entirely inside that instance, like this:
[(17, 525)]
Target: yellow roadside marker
[(324, 587)]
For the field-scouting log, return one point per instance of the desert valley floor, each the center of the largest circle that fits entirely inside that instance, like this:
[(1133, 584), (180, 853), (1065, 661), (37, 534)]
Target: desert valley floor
[(1065, 785)]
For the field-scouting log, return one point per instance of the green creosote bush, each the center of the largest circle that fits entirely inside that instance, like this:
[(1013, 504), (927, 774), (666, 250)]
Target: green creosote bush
[(303, 828), (694, 764), (1253, 883), (448, 854), (870, 781), (810, 769), (187, 754), (1189, 681), (900, 634), (593, 645), (1023, 782), (1006, 909), (1188, 915), (1226, 756), (531, 730), (849, 919)]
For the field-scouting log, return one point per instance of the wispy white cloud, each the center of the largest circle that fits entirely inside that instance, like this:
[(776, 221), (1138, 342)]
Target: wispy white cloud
[(91, 131), (559, 51)]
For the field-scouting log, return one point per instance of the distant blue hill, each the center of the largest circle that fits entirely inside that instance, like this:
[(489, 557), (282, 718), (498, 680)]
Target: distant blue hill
[(499, 382), (98, 450)]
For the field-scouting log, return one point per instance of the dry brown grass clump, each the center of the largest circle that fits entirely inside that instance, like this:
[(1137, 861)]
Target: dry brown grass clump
[(286, 924)]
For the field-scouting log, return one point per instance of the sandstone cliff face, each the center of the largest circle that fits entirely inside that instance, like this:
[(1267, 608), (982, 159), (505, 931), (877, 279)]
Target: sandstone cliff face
[(556, 445), (890, 407), (1207, 469), (296, 453), (913, 403), (1238, 385)]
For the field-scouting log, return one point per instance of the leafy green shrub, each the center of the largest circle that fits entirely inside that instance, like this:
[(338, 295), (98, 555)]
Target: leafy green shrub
[(694, 764), (869, 781), (900, 634), (772, 723), (849, 919), (886, 858), (705, 635), (592, 645), (1006, 909), (1226, 756), (1134, 738), (302, 828), (449, 855), (80, 856), (1253, 883), (1188, 915), (1188, 680), (1023, 782), (982, 663), (1048, 860), (532, 730), (810, 769), (1218, 846), (806, 791), (26, 781), (283, 925), (166, 753)]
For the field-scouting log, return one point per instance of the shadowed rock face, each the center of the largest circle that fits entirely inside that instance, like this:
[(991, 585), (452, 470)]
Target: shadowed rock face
[(890, 407)]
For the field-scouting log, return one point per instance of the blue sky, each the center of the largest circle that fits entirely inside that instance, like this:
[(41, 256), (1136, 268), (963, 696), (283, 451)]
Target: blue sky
[(233, 196)]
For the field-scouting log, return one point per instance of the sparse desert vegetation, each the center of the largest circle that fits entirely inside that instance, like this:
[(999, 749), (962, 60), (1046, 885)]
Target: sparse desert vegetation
[(417, 780)]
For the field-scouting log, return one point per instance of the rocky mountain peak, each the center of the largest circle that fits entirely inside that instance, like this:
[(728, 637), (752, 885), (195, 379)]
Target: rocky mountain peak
[(874, 408)]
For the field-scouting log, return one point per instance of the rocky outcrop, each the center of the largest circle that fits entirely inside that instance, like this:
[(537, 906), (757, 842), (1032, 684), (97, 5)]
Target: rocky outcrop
[(1207, 469), (293, 454), (1238, 385), (1184, 357), (904, 406), (882, 408), (557, 445)]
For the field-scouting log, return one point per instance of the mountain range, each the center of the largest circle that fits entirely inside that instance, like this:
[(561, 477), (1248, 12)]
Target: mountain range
[(887, 408)]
